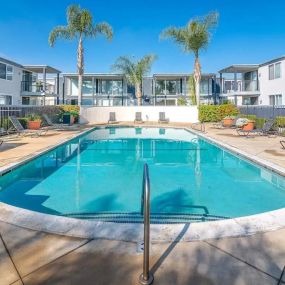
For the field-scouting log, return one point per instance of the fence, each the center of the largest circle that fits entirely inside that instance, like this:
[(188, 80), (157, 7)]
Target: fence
[(268, 112), (24, 111)]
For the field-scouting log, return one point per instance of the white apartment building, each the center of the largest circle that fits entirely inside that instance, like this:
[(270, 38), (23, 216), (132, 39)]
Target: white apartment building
[(272, 82), (28, 84), (254, 84)]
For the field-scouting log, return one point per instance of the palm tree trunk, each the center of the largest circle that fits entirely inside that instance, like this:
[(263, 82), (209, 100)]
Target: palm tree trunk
[(80, 68), (139, 94), (197, 78)]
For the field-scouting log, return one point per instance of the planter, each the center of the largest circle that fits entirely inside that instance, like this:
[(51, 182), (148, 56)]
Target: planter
[(34, 125), (248, 127), (228, 122)]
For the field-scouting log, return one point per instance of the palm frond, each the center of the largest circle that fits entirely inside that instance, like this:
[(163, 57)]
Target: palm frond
[(195, 35), (62, 32), (73, 15), (132, 69), (103, 28)]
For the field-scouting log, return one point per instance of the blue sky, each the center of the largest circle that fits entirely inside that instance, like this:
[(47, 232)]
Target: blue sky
[(251, 31)]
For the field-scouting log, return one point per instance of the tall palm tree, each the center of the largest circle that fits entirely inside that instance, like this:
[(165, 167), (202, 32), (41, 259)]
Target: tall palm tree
[(134, 71), (194, 37), (79, 26)]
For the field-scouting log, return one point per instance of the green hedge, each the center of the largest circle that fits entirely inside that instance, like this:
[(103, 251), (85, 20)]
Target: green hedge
[(280, 122), (250, 117), (259, 122), (215, 113), (24, 122)]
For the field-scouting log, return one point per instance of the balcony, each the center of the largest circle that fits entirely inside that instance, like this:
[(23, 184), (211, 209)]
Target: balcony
[(29, 88), (245, 88)]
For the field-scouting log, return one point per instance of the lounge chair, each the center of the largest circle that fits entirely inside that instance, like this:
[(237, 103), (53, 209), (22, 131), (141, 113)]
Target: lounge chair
[(52, 125), (282, 144), (264, 131), (162, 118), (138, 118), (18, 128), (112, 118)]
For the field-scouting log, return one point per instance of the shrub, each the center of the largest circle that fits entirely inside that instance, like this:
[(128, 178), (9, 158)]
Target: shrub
[(34, 117), (228, 110), (259, 122), (250, 117), (24, 122), (5, 124), (280, 122), (182, 101), (215, 113)]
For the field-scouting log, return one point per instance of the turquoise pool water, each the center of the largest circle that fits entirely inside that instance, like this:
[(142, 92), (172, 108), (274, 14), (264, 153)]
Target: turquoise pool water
[(101, 172)]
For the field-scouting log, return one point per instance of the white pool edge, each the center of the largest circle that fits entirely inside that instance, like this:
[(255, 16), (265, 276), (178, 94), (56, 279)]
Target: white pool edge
[(237, 227)]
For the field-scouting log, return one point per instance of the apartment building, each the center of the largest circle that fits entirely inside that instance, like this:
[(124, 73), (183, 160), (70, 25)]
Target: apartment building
[(28, 84), (254, 84), (158, 90)]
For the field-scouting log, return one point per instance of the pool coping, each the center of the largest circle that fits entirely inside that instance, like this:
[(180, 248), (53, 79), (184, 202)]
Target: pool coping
[(236, 227)]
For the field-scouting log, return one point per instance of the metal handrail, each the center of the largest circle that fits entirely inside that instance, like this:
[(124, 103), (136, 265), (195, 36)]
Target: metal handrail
[(146, 278)]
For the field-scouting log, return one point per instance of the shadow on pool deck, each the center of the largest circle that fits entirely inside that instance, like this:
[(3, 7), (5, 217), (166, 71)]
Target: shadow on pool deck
[(50, 259)]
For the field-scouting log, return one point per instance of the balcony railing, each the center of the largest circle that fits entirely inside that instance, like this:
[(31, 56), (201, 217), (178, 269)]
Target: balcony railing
[(34, 87), (245, 86)]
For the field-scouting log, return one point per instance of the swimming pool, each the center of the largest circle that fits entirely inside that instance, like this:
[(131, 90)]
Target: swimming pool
[(99, 176)]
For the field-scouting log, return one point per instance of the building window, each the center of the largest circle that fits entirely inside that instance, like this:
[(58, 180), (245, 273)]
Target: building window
[(2, 71), (271, 72), (6, 71), (9, 72), (5, 100), (278, 70), (275, 100), (275, 71)]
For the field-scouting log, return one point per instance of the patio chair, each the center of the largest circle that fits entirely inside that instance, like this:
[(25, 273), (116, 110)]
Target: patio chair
[(18, 128), (162, 118), (266, 130), (59, 126), (138, 118), (112, 117)]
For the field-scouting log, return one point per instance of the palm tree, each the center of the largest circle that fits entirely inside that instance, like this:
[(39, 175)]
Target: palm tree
[(134, 71), (194, 37), (79, 26)]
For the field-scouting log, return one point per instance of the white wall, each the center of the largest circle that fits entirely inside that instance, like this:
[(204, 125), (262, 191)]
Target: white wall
[(12, 87), (271, 87), (93, 115)]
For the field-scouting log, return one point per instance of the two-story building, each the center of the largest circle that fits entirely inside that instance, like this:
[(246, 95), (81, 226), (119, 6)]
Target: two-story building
[(272, 82), (254, 84), (159, 89), (28, 84)]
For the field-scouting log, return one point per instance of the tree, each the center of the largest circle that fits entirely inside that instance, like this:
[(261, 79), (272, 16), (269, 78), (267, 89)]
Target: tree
[(134, 71), (80, 26), (194, 37)]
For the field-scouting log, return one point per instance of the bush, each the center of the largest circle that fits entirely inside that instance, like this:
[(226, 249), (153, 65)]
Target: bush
[(228, 110), (280, 122), (182, 101), (259, 122), (5, 124), (215, 113), (24, 122), (250, 117), (70, 109)]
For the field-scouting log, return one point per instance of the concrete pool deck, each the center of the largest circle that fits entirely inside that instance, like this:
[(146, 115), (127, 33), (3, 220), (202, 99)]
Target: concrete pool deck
[(35, 257)]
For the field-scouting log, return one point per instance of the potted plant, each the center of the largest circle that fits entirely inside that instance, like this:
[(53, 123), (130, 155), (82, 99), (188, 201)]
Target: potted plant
[(245, 124), (34, 122), (228, 121)]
